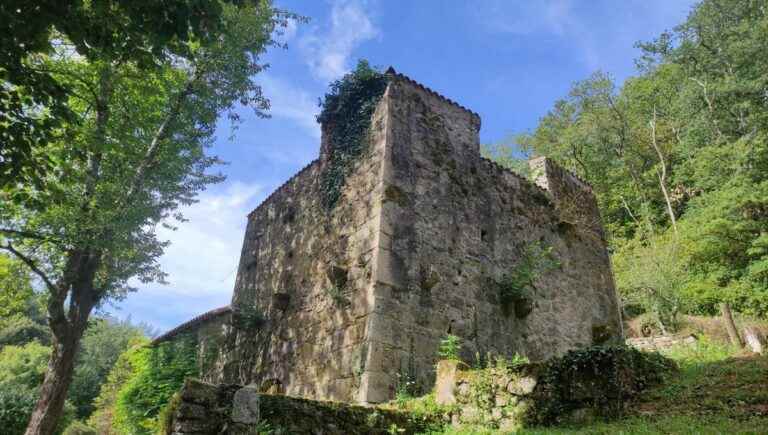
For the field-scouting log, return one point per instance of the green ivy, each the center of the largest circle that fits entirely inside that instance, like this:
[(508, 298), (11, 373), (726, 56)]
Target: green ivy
[(607, 375), (247, 318), (157, 372), (346, 112)]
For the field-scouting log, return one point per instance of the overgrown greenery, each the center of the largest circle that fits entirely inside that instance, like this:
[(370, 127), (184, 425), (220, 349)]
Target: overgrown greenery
[(337, 295), (717, 390), (156, 374), (682, 149), (450, 347), (346, 112), (144, 115), (615, 373), (247, 317), (517, 284)]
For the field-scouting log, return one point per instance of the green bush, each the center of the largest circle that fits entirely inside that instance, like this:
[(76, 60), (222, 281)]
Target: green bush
[(15, 409), (77, 427), (449, 348), (19, 330), (102, 419), (157, 372), (23, 367), (16, 405), (598, 377)]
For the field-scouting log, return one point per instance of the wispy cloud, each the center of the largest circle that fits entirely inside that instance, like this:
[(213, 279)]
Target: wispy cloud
[(201, 260), (523, 18), (292, 103), (327, 50), (599, 35), (203, 253)]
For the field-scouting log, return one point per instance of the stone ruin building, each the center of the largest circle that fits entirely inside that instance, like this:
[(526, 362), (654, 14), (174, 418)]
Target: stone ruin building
[(344, 304)]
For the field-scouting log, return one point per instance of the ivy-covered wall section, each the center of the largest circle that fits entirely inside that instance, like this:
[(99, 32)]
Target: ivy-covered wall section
[(346, 118)]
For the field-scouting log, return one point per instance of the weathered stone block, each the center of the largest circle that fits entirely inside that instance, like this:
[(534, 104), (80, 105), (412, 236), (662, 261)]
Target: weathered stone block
[(522, 386), (245, 406)]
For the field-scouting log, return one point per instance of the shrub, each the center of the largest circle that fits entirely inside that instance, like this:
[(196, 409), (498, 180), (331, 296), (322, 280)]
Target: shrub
[(77, 427), (23, 367), (19, 329), (102, 418), (599, 377), (15, 409), (516, 285), (157, 372), (449, 348), (16, 405)]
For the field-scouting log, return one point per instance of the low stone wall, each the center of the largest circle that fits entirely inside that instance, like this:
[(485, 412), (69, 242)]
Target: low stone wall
[(660, 342), (582, 384), (202, 408), (495, 395)]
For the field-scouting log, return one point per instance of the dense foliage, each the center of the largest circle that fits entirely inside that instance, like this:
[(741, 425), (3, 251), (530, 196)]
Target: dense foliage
[(346, 113), (156, 373), (678, 158), (144, 102), (103, 343), (611, 373), (35, 99)]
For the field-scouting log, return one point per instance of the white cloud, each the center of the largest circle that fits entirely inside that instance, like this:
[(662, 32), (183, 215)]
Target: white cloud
[(327, 52), (600, 33), (204, 251), (292, 103)]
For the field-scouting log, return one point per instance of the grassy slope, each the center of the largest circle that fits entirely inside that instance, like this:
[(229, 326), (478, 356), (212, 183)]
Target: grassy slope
[(717, 391)]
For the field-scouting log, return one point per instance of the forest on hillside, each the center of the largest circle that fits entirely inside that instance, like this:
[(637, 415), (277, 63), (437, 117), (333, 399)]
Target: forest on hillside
[(678, 158)]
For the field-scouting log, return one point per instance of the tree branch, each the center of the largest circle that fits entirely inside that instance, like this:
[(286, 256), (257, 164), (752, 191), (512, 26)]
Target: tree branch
[(159, 136), (31, 264), (24, 234)]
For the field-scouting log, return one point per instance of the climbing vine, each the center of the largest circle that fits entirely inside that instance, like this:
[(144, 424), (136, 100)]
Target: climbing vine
[(608, 374), (346, 111)]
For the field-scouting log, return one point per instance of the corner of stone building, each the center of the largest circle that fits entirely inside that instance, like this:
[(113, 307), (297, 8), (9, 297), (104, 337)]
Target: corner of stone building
[(579, 213)]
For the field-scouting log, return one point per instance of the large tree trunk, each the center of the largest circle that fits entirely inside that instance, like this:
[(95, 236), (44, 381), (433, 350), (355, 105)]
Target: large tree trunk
[(730, 326), (68, 330), (53, 392)]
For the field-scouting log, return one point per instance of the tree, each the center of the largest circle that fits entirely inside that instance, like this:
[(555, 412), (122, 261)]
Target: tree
[(35, 103), (103, 418), (137, 154), (683, 146), (15, 288), (103, 343)]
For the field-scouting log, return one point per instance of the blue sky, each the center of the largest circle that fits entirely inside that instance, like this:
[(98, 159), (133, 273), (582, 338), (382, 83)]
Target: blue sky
[(506, 60)]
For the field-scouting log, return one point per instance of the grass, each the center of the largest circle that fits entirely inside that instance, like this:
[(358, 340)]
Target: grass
[(718, 390)]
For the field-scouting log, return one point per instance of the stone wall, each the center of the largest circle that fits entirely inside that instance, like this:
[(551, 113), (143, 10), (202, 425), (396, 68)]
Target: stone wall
[(202, 408), (350, 301), (661, 342), (307, 270), (452, 225), (599, 381)]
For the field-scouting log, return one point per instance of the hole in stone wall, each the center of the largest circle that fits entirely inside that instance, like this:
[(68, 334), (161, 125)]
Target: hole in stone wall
[(290, 216), (483, 235), (289, 254)]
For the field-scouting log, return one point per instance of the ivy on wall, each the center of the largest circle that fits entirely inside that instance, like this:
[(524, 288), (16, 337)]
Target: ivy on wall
[(346, 112), (157, 372)]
